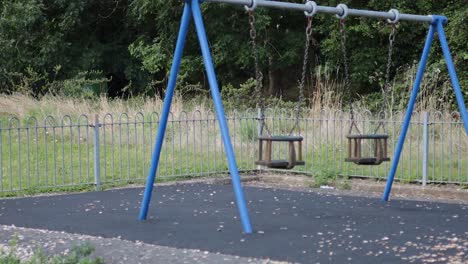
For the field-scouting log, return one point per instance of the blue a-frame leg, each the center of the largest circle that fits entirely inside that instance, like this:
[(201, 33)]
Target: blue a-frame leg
[(436, 25), (192, 8)]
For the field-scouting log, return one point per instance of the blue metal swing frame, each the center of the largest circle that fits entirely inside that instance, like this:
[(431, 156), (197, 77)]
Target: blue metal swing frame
[(192, 9), (437, 25)]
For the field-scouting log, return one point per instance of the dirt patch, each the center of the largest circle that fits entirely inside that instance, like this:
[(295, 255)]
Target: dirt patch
[(297, 182), (361, 187)]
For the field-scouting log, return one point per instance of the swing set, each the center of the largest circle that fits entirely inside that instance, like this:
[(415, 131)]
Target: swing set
[(378, 140)]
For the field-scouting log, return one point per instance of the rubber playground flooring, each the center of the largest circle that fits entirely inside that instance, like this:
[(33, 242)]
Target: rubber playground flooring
[(292, 226)]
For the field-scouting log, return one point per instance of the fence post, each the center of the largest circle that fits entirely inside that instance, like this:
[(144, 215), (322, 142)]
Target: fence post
[(259, 130), (97, 168), (425, 147), (259, 122)]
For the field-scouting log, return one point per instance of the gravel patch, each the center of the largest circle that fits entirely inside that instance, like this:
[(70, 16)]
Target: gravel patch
[(113, 250)]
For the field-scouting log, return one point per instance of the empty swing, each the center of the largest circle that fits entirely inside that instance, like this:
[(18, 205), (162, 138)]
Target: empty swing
[(378, 141), (294, 153)]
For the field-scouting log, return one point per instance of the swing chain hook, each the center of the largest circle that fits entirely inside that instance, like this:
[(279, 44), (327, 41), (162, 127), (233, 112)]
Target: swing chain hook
[(313, 8), (396, 16), (344, 11), (252, 6)]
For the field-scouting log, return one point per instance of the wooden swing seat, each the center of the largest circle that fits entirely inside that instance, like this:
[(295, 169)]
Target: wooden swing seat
[(355, 149), (282, 163)]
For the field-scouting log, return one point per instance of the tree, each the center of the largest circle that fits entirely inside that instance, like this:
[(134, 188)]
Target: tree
[(131, 43)]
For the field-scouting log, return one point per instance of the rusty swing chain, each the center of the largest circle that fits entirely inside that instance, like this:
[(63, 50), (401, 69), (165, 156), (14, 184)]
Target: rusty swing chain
[(387, 85), (301, 101), (258, 73), (347, 81)]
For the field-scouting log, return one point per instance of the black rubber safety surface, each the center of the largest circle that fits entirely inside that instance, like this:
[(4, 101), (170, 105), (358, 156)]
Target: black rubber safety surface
[(306, 227)]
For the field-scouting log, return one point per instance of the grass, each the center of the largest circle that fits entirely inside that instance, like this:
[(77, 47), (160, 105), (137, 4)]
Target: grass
[(56, 164)]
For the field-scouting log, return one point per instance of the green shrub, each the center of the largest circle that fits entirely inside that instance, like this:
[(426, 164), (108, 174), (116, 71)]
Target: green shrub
[(88, 85), (241, 97)]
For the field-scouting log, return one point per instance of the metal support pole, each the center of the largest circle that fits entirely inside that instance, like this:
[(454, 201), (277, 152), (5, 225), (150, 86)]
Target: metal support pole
[(409, 111), (425, 147), (232, 164), (451, 70), (165, 112), (97, 158)]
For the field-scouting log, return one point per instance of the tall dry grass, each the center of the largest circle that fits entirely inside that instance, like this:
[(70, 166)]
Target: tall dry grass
[(325, 91), (23, 106), (435, 92)]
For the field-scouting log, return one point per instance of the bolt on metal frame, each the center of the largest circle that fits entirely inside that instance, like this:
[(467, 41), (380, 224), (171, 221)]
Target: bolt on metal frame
[(310, 8)]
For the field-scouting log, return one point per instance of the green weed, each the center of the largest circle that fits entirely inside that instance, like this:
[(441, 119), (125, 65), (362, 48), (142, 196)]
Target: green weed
[(77, 255), (325, 176)]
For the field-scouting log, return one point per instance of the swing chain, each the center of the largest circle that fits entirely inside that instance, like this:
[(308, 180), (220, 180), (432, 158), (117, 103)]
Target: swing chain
[(253, 31), (347, 82), (345, 55), (301, 102), (304, 64), (387, 85), (258, 73)]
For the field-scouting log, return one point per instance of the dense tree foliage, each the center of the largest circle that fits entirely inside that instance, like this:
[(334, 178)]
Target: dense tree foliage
[(129, 45)]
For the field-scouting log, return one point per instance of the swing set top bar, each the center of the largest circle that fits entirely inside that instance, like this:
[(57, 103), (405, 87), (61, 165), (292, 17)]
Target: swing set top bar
[(341, 10)]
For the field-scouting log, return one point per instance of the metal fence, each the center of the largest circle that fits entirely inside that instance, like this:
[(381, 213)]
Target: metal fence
[(95, 150)]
